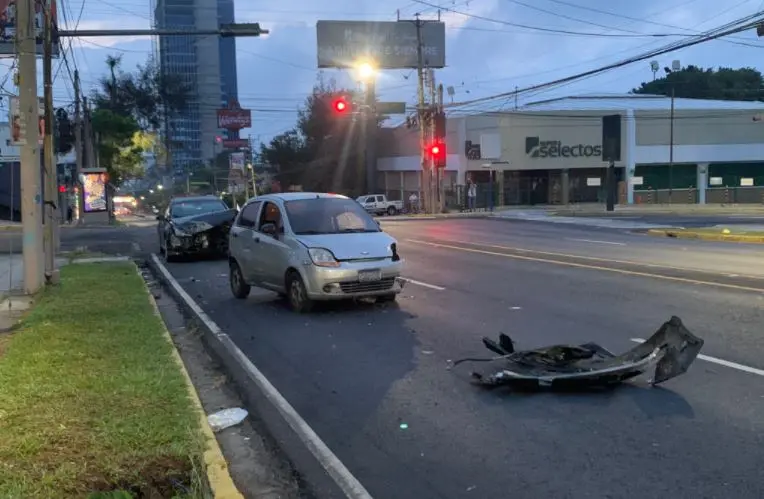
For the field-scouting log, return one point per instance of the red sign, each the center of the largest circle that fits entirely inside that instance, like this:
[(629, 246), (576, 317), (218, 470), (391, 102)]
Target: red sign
[(234, 117), (235, 143)]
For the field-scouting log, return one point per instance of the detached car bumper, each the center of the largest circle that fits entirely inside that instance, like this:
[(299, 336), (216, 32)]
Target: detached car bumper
[(354, 280), (197, 244)]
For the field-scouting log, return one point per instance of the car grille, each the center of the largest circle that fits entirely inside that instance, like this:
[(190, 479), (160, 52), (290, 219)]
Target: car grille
[(367, 287)]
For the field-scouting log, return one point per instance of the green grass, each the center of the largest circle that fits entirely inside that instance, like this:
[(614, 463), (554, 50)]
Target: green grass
[(91, 399)]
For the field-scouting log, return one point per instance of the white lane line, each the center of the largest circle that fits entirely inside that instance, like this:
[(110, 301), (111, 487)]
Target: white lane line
[(328, 460), (424, 284), (721, 362), (595, 242)]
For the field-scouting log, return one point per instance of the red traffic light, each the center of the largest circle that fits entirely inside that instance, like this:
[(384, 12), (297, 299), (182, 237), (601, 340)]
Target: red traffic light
[(62, 189), (438, 154), (435, 150), (340, 105)]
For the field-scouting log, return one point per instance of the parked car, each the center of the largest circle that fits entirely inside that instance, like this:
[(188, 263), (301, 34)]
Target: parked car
[(194, 226), (378, 204), (312, 247)]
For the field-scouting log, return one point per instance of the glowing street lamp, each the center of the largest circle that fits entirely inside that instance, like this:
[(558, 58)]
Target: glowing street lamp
[(365, 71)]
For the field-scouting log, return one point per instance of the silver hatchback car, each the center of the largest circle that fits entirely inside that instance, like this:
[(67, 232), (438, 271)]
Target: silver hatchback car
[(312, 247)]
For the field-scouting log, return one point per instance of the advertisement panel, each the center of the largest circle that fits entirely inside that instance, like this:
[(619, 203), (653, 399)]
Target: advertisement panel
[(388, 45), (237, 161), (234, 117), (94, 192), (236, 143), (8, 16), (18, 127)]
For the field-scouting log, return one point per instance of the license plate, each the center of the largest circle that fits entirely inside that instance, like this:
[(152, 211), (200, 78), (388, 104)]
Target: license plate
[(369, 275)]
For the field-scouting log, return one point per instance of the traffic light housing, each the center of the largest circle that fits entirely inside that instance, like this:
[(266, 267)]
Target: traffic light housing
[(341, 105), (437, 152), (440, 126)]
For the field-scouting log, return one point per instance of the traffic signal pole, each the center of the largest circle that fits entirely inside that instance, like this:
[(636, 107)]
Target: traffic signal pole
[(424, 183), (50, 238)]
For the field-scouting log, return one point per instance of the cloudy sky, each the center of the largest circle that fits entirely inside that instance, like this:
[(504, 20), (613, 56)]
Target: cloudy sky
[(487, 52)]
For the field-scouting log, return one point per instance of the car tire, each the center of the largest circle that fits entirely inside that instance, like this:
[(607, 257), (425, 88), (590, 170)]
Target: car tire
[(387, 298), (297, 295), (392, 211), (239, 287)]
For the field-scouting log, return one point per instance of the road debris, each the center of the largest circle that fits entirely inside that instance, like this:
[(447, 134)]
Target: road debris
[(667, 353)]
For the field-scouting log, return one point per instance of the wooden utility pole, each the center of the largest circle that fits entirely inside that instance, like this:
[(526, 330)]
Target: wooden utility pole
[(50, 239), (78, 146), (31, 191), (439, 182)]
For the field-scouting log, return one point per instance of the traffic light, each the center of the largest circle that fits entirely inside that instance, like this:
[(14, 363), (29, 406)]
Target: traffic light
[(440, 126), (437, 152), (341, 104), (62, 189)]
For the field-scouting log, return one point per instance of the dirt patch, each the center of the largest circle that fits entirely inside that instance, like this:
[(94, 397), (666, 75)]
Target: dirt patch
[(256, 464)]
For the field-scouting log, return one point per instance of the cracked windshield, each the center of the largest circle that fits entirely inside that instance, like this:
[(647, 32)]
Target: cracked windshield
[(428, 249)]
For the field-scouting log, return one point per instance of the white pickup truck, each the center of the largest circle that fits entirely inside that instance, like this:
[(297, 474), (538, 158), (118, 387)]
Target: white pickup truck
[(378, 204)]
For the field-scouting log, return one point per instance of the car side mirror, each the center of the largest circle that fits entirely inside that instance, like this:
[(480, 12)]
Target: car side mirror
[(269, 229)]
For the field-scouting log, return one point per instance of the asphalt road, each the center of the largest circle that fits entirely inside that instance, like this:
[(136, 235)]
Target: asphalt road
[(372, 380)]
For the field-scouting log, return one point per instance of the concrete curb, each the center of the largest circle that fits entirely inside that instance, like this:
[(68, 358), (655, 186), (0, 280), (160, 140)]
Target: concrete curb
[(216, 467), (700, 236), (321, 469)]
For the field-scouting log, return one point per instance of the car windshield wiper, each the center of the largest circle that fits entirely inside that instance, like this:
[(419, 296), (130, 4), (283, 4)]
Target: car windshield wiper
[(311, 232), (357, 230)]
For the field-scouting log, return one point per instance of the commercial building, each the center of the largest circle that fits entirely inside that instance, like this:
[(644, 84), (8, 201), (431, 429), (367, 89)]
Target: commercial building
[(207, 64), (710, 152)]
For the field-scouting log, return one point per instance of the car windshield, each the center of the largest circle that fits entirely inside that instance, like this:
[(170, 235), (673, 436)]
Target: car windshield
[(328, 216), (196, 207)]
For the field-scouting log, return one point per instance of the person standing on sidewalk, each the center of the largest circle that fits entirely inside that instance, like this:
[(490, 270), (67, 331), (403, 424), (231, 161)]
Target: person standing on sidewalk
[(471, 195)]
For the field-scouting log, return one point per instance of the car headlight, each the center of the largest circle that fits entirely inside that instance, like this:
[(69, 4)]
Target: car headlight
[(323, 257)]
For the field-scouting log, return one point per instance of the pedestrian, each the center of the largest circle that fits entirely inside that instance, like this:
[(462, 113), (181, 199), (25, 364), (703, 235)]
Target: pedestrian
[(413, 203), (69, 214), (471, 195)]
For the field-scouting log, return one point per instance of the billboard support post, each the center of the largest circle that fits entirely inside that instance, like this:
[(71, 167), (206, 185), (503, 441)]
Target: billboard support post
[(28, 124)]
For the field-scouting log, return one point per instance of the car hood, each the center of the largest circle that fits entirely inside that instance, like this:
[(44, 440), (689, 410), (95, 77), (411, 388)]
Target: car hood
[(352, 246), (204, 222)]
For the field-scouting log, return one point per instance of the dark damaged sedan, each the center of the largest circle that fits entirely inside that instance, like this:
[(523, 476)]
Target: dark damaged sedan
[(195, 226)]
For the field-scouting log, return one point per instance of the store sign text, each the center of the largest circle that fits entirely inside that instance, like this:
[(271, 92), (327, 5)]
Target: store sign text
[(536, 148)]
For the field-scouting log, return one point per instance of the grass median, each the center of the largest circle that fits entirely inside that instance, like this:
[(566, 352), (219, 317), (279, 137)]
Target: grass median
[(91, 399)]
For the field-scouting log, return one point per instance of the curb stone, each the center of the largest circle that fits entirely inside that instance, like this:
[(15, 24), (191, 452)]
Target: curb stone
[(216, 467), (687, 234)]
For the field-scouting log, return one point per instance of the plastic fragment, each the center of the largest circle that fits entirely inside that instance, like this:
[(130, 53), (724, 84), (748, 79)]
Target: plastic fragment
[(226, 418)]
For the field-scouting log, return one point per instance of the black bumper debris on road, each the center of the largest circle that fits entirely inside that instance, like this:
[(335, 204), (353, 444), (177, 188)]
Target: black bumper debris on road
[(668, 353)]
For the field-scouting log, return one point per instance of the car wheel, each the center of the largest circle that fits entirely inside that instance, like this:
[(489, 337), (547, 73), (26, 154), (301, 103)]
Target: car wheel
[(239, 287), (167, 256), (298, 295), (391, 211), (387, 298)]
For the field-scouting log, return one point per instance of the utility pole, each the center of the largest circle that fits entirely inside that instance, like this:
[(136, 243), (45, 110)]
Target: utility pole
[(78, 146), (371, 135), (441, 194), (671, 147), (431, 134), (421, 117), (31, 192), (50, 240)]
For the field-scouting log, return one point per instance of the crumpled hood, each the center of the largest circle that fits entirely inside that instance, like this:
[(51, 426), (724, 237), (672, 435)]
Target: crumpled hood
[(201, 223), (352, 246)]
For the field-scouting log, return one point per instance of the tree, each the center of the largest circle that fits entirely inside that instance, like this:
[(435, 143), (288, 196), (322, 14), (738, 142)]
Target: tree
[(324, 152), (64, 132), (744, 84), (129, 110)]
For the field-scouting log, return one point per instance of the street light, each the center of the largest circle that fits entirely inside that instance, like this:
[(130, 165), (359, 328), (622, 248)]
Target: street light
[(365, 71), (675, 66), (160, 187)]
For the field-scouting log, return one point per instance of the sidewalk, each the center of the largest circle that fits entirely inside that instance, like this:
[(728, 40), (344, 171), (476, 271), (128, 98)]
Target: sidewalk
[(109, 407), (670, 209)]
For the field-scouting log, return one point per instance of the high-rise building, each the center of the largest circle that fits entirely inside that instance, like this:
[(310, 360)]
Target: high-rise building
[(207, 65)]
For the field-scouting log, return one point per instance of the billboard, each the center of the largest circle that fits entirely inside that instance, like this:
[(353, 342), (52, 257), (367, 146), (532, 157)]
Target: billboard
[(8, 25), (236, 143), (389, 45), (94, 192), (18, 127), (236, 161), (234, 117)]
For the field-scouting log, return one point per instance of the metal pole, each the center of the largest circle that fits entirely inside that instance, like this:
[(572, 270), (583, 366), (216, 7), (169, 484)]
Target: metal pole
[(31, 192), (431, 133), (439, 173), (371, 136), (50, 242), (424, 202), (671, 147)]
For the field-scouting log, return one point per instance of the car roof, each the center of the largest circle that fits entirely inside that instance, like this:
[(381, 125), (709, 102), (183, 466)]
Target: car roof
[(296, 196)]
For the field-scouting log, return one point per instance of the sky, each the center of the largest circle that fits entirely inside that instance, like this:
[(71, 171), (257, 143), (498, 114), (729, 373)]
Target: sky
[(485, 53)]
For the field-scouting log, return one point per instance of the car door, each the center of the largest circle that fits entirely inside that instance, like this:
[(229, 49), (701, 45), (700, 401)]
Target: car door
[(271, 253), (380, 205), (241, 241)]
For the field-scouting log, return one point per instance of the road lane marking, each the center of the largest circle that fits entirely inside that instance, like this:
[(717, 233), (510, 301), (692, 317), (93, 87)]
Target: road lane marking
[(136, 247), (424, 284), (594, 258), (592, 267), (595, 242), (328, 460), (721, 362)]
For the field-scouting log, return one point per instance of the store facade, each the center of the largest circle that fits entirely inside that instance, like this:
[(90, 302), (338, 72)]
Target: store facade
[(550, 152)]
